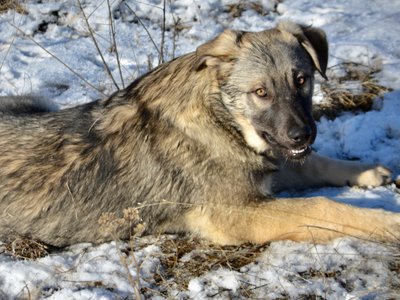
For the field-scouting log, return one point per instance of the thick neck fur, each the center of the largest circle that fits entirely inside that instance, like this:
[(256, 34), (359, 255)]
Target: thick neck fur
[(176, 95)]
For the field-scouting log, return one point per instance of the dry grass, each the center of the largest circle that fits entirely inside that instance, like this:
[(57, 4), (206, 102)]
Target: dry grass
[(25, 248), (6, 5), (182, 259), (111, 224), (236, 9), (185, 258), (204, 257), (340, 98)]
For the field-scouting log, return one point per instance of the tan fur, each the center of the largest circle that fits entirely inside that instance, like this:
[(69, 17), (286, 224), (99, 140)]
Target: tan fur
[(314, 220)]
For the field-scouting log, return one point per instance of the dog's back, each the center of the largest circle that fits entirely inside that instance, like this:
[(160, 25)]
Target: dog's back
[(41, 170), (60, 171)]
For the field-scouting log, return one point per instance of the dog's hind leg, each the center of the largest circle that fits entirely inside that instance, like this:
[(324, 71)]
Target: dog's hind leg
[(305, 219)]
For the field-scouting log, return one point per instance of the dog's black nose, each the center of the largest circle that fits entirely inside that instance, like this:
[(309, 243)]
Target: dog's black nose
[(300, 135)]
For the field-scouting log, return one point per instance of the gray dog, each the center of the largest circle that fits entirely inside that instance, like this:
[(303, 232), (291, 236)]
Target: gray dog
[(197, 145)]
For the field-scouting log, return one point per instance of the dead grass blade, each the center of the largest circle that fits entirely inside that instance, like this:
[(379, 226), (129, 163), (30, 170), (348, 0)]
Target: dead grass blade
[(91, 33), (55, 57), (9, 48), (161, 58), (111, 224), (144, 27), (114, 42)]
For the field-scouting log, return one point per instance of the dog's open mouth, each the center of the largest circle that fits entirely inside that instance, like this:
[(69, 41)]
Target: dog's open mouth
[(291, 153), (298, 153)]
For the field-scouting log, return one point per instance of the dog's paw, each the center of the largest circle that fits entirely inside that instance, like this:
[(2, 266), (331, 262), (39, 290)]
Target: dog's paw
[(374, 176)]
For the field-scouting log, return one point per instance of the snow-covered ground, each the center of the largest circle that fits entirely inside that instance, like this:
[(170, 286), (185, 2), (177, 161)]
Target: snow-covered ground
[(39, 49)]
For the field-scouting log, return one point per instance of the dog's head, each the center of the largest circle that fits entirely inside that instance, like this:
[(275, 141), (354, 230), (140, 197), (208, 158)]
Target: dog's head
[(266, 82)]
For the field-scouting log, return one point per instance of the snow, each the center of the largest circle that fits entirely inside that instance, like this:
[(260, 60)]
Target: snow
[(365, 33), (372, 137)]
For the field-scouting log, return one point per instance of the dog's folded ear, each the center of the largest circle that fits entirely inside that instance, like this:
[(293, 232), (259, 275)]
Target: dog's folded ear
[(316, 45), (314, 42), (223, 48)]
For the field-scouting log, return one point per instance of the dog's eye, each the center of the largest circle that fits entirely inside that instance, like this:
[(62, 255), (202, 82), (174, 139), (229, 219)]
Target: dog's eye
[(300, 80), (261, 92)]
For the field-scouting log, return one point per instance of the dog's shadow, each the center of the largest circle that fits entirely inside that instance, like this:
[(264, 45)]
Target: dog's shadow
[(383, 197)]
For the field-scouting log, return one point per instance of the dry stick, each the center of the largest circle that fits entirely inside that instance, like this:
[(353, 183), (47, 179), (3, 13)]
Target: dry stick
[(175, 35), (161, 58), (112, 27), (97, 45), (144, 26), (55, 57), (134, 283), (137, 286)]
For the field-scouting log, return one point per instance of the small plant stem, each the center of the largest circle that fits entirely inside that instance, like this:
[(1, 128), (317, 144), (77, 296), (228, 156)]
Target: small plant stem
[(97, 45)]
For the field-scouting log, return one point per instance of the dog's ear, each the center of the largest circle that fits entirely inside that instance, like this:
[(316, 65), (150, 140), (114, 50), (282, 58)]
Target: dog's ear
[(314, 42), (223, 48), (316, 45)]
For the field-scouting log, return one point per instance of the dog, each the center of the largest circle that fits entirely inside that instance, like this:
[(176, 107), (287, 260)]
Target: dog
[(198, 145)]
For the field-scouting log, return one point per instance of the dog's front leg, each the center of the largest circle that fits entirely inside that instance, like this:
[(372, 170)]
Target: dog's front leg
[(317, 171), (305, 219)]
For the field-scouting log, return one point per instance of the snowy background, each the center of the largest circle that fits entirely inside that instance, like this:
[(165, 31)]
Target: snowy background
[(46, 49)]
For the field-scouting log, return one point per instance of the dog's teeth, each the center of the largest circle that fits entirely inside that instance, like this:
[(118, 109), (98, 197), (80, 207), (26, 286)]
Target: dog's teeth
[(298, 151)]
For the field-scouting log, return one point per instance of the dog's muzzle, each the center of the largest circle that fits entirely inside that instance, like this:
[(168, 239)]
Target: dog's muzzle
[(293, 152), (298, 153)]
